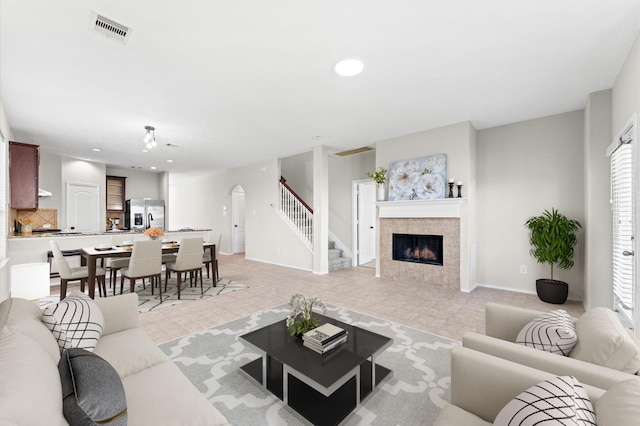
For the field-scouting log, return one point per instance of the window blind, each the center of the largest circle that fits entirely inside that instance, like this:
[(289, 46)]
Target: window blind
[(622, 205)]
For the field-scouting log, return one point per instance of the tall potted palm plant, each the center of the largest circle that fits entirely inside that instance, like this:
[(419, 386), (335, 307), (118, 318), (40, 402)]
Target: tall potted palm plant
[(553, 237)]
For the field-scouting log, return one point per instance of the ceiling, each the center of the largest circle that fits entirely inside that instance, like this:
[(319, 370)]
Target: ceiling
[(231, 83)]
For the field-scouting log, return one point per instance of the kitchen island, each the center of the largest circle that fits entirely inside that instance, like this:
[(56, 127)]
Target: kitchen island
[(32, 248)]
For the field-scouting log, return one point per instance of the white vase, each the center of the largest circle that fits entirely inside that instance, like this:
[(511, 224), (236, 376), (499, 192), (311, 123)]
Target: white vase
[(381, 192)]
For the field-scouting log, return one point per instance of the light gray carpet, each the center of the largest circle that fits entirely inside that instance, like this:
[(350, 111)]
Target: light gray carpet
[(413, 395), (147, 301)]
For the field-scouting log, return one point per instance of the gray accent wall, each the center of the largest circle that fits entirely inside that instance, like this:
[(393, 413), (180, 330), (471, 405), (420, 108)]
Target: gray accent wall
[(597, 210), (523, 169)]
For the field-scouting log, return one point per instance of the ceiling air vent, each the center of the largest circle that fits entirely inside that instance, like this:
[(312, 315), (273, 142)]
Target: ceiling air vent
[(354, 151), (109, 27)]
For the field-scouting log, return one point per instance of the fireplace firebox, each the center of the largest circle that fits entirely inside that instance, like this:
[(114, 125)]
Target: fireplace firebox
[(418, 248)]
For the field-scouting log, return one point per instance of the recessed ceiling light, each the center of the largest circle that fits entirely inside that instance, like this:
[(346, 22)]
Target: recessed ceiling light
[(169, 161), (349, 67), (96, 149), (144, 150), (152, 167)]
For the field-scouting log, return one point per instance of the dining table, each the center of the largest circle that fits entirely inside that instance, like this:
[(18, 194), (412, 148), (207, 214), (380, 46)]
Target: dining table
[(90, 256)]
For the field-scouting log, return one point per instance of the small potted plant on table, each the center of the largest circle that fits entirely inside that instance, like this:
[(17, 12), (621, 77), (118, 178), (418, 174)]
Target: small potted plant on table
[(553, 237), (300, 319)]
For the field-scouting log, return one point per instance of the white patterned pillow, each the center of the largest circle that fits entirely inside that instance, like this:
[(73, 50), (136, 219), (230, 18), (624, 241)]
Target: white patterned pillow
[(553, 332), (558, 401), (76, 322)]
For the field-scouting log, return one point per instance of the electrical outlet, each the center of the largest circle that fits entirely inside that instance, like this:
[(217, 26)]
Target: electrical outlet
[(523, 269)]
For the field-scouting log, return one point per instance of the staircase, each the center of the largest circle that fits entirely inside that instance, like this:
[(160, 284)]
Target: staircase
[(336, 261), (295, 211), (300, 217)]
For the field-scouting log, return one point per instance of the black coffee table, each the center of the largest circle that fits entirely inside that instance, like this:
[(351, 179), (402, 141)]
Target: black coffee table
[(322, 388)]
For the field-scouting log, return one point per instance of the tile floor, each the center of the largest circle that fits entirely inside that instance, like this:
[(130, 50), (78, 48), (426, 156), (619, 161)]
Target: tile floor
[(428, 307)]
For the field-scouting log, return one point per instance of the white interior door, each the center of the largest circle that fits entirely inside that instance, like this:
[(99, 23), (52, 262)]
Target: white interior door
[(366, 222), (83, 204), (237, 216)]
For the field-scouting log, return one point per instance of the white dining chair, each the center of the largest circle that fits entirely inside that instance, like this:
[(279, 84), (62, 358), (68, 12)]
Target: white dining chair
[(113, 265), (206, 257), (145, 262), (80, 273), (188, 259)]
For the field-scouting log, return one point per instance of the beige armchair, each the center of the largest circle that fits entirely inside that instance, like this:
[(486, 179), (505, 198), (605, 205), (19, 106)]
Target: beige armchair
[(188, 259), (504, 322), (81, 273), (482, 385)]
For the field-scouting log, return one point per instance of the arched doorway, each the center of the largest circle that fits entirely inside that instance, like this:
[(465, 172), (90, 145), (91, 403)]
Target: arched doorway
[(237, 219)]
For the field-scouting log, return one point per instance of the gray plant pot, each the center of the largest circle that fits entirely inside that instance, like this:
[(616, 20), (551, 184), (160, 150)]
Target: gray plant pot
[(552, 291)]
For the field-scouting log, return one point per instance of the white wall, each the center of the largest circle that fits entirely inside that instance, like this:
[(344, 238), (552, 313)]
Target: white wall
[(597, 210), (196, 202), (298, 172), (453, 140), (139, 184), (50, 179), (5, 285), (342, 172), (523, 169), (199, 200), (626, 90)]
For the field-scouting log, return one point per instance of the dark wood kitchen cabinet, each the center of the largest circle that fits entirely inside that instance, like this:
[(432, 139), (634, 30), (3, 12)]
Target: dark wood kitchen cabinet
[(115, 193), (24, 162)]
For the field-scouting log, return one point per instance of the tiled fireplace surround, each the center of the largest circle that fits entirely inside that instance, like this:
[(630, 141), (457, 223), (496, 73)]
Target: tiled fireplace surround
[(433, 217)]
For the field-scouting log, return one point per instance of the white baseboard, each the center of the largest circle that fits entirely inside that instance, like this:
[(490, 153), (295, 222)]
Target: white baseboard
[(278, 264)]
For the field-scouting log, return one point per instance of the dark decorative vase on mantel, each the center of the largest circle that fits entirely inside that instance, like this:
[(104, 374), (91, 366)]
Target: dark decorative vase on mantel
[(552, 291)]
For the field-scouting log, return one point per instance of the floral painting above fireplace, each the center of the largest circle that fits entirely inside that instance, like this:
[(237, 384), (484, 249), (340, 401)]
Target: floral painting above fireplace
[(422, 178)]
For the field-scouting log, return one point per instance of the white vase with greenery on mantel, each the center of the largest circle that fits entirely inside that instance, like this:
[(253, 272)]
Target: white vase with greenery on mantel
[(379, 176), (381, 192)]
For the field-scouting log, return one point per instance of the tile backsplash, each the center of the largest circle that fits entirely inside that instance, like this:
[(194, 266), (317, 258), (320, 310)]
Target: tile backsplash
[(41, 218)]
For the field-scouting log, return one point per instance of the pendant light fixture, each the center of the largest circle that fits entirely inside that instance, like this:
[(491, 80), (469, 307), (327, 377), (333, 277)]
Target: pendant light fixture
[(150, 137)]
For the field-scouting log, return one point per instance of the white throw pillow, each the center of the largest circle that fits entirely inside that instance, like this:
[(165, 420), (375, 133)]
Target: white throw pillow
[(553, 332), (603, 340), (558, 401), (76, 322)]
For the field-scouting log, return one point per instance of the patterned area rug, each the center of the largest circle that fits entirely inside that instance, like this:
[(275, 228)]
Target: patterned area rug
[(413, 395), (147, 301)]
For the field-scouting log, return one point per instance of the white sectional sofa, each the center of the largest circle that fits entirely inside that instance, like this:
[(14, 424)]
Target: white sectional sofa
[(482, 385), (157, 393), (606, 354)]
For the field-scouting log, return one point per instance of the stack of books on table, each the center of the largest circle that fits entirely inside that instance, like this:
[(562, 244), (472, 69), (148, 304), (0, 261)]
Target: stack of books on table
[(324, 338)]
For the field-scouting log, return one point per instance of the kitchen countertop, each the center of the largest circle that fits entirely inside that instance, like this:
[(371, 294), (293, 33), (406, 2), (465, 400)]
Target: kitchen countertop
[(85, 234)]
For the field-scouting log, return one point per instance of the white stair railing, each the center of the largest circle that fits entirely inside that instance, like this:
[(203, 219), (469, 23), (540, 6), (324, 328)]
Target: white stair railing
[(297, 213)]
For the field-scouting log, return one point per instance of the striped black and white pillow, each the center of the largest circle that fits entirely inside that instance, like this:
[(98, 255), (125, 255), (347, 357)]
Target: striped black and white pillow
[(558, 401), (553, 332), (76, 322)]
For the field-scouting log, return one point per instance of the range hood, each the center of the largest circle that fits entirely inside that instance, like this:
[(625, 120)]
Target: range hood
[(43, 193)]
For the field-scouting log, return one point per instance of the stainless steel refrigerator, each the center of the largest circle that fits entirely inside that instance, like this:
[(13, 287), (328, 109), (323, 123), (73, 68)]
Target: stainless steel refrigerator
[(141, 214)]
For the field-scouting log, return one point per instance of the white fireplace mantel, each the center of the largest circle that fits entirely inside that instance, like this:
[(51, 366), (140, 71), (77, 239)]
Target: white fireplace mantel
[(444, 207)]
